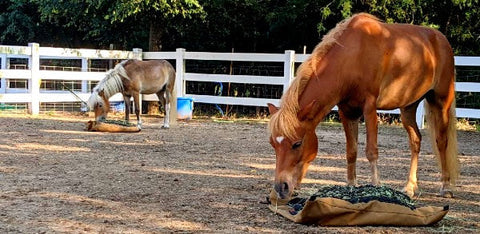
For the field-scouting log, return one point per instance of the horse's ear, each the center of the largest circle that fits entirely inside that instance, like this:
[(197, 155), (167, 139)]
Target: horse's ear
[(309, 111), (272, 108)]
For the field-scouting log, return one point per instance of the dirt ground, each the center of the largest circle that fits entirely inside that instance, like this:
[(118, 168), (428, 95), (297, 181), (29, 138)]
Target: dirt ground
[(200, 176)]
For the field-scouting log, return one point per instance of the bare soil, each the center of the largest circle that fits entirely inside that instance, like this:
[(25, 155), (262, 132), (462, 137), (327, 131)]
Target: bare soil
[(199, 176)]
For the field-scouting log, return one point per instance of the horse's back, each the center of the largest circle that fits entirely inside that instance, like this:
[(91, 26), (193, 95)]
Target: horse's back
[(150, 76), (404, 61), (151, 66)]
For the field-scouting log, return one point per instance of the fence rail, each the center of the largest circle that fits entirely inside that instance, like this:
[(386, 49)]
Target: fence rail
[(33, 96)]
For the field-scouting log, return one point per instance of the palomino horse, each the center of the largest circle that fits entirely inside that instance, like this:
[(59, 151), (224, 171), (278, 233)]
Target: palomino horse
[(132, 78), (363, 65)]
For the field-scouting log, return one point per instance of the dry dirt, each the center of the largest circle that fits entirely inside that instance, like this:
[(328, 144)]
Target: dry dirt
[(200, 176)]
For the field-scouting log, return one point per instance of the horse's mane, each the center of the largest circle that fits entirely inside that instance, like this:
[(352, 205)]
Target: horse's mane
[(110, 85), (284, 122)]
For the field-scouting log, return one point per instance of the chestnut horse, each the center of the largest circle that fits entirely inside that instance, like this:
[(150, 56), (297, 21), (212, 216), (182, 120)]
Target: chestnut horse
[(363, 65), (132, 78)]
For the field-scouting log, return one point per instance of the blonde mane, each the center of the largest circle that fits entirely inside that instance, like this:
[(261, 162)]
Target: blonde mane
[(285, 121), (110, 85)]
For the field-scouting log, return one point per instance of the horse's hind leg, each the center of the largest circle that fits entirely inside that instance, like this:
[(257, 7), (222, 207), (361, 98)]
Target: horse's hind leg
[(408, 115), (351, 134), (136, 100), (443, 131), (164, 101)]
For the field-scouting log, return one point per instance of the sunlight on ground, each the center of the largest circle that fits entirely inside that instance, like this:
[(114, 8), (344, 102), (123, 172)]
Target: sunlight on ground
[(77, 199), (122, 143), (320, 181), (116, 214), (261, 166), (61, 116), (310, 168), (70, 132), (9, 169), (48, 147), (326, 169), (197, 173)]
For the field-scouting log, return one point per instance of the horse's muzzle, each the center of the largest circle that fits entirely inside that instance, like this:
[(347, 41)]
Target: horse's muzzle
[(282, 190), (84, 108), (101, 119)]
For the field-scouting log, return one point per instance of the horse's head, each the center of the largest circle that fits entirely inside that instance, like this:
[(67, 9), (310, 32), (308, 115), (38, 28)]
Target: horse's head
[(294, 149), (99, 104)]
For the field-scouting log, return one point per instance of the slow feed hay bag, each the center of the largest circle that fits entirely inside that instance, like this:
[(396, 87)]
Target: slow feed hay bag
[(356, 206), (111, 126)]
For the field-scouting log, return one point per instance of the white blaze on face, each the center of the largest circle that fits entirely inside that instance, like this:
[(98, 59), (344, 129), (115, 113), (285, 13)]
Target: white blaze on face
[(280, 139)]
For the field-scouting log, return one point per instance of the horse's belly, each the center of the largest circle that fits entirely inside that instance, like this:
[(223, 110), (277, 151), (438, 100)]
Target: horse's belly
[(397, 96), (152, 89)]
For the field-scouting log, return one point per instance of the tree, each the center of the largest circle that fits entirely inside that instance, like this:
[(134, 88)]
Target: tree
[(219, 25), (123, 20), (459, 20), (157, 12), (17, 22)]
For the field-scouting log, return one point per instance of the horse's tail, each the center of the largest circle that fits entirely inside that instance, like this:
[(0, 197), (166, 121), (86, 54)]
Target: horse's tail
[(451, 161), (173, 98)]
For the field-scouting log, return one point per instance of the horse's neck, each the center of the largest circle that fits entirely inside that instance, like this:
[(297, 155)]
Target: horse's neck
[(112, 85), (325, 92)]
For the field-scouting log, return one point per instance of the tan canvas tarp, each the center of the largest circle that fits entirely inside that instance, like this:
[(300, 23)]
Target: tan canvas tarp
[(328, 211), (109, 127)]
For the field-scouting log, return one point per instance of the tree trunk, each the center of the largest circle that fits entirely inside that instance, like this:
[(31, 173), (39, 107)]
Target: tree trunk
[(154, 44), (155, 36)]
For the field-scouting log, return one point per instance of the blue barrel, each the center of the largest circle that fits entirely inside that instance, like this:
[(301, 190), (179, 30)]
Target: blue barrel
[(185, 108), (117, 106)]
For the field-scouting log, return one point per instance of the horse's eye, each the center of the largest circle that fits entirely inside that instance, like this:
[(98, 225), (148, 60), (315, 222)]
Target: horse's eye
[(296, 144)]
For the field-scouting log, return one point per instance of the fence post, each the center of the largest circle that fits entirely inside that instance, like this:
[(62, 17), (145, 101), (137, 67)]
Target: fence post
[(85, 66), (3, 80), (288, 68), (420, 118), (180, 72), (137, 53), (34, 83)]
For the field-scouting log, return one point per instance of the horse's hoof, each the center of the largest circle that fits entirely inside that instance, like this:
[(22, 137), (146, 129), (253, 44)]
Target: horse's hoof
[(410, 193), (446, 193), (410, 189), (139, 127), (165, 127)]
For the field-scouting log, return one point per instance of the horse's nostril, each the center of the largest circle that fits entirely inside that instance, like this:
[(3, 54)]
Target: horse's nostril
[(282, 189)]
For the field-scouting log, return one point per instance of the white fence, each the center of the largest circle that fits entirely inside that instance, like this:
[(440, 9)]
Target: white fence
[(34, 96)]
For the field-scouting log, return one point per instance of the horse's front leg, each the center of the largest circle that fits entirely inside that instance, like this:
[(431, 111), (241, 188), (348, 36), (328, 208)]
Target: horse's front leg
[(136, 100), (370, 115), (126, 100), (351, 134), (408, 115)]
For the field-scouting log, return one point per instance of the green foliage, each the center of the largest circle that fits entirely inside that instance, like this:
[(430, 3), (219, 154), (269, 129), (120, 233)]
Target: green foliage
[(459, 20), (220, 25), (152, 9), (17, 22)]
